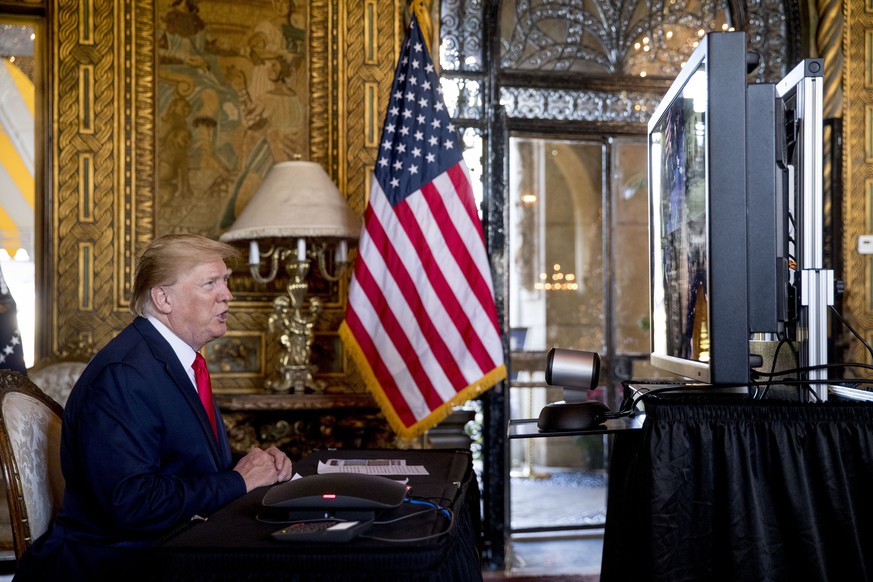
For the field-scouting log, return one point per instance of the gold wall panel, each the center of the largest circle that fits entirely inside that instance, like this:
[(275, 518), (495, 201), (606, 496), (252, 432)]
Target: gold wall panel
[(102, 208), (86, 189), (371, 36), (86, 276), (372, 105), (829, 40), (86, 24), (858, 167), (88, 52), (376, 29), (868, 133), (868, 227), (86, 99)]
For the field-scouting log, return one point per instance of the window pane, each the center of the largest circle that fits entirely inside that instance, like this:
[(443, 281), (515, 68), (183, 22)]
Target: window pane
[(555, 299), (17, 152), (630, 247), (556, 250)]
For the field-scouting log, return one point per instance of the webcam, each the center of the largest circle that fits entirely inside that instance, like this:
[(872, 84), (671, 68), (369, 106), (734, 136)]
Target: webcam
[(573, 368)]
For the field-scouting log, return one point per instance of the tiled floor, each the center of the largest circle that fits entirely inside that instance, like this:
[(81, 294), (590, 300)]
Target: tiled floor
[(557, 555), (556, 498)]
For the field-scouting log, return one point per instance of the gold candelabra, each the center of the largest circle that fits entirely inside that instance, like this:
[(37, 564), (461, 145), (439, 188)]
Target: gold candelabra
[(292, 320)]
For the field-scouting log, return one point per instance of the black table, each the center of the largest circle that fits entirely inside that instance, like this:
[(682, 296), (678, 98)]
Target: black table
[(234, 544), (720, 488)]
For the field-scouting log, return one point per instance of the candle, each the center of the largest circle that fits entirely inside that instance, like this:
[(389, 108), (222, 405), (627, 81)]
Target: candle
[(342, 252), (254, 253), (301, 249)]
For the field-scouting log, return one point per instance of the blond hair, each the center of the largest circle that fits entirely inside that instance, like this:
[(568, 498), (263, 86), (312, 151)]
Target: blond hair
[(166, 257)]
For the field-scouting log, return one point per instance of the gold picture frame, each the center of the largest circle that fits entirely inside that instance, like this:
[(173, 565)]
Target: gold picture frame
[(237, 354)]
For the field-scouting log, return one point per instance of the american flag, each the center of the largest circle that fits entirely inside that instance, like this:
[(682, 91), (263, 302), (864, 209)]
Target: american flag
[(421, 322), (11, 351)]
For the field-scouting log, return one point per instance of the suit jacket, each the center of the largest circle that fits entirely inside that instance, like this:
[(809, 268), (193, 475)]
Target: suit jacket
[(138, 455)]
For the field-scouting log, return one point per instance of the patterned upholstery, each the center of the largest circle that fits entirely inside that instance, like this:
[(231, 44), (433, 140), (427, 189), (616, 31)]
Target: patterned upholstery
[(30, 437), (57, 379), (56, 373)]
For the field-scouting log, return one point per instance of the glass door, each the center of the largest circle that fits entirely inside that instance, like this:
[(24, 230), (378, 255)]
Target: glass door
[(578, 272)]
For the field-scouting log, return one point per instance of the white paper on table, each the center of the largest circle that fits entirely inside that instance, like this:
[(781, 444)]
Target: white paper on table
[(371, 467)]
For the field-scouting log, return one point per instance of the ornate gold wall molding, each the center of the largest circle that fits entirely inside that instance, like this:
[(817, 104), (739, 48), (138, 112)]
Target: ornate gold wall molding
[(828, 40), (102, 161), (858, 163), (370, 46)]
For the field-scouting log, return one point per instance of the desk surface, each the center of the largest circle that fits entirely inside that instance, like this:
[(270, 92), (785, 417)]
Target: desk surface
[(235, 543)]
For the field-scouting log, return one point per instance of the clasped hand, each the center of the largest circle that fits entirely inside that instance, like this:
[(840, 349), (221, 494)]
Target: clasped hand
[(264, 467)]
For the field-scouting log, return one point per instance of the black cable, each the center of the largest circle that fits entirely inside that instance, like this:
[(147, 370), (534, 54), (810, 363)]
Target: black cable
[(420, 501), (628, 405), (671, 387), (852, 329), (782, 341), (819, 367), (830, 380), (402, 540), (627, 408), (448, 512), (403, 517), (800, 382)]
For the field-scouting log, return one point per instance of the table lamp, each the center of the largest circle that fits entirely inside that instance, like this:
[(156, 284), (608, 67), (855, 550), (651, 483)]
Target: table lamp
[(302, 213)]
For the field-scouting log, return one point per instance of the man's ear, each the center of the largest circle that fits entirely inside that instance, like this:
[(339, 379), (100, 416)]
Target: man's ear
[(161, 299)]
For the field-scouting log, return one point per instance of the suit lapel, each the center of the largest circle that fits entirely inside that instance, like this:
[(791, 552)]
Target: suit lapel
[(164, 353)]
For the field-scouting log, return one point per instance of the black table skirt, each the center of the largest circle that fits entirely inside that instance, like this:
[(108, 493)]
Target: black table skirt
[(735, 490), (235, 545)]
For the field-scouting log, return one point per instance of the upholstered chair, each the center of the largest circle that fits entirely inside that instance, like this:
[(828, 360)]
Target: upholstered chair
[(30, 438), (56, 374), (56, 379)]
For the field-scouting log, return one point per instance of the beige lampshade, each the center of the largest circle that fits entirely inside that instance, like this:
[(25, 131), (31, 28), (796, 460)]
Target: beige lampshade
[(296, 199)]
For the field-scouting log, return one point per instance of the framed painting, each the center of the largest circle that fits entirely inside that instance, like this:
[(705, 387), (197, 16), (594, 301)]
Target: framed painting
[(232, 99), (237, 354)]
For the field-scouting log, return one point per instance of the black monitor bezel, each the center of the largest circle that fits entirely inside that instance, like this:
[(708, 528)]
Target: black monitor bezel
[(724, 58)]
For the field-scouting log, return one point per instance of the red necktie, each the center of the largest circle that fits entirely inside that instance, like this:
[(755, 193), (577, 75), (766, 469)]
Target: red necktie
[(204, 388)]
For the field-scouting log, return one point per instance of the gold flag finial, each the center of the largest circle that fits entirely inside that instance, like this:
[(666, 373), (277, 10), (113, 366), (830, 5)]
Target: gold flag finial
[(421, 10)]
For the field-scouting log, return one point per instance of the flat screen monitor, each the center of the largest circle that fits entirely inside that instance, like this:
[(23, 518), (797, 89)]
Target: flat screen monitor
[(697, 218)]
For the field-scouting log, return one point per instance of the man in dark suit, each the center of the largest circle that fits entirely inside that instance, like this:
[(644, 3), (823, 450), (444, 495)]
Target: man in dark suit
[(139, 453)]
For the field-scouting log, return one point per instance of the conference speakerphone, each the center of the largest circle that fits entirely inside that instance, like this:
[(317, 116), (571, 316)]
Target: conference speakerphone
[(337, 491), (347, 496)]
